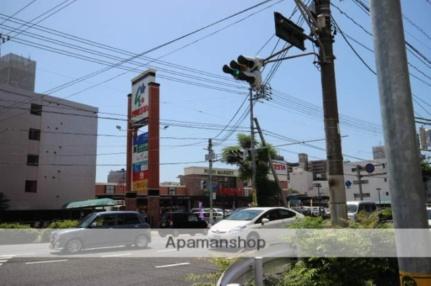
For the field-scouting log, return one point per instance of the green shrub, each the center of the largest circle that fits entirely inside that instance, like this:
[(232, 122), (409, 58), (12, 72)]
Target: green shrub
[(317, 271), (64, 224), (59, 224), (14, 225)]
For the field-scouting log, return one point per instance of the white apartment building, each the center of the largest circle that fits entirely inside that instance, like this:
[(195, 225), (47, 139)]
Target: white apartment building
[(375, 186), (48, 145)]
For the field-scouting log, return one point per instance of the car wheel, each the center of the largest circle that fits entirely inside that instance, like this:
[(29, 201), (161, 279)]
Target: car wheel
[(73, 246), (141, 241)]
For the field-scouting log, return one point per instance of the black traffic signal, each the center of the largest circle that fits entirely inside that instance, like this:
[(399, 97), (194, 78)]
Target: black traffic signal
[(246, 69)]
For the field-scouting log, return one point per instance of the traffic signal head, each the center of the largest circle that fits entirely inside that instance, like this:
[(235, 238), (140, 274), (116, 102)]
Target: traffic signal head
[(251, 63), (247, 69)]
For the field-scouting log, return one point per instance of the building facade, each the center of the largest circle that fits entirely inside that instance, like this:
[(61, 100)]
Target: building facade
[(48, 145)]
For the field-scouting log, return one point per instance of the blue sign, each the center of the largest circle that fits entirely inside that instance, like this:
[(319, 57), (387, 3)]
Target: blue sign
[(348, 184), (141, 139), (369, 168)]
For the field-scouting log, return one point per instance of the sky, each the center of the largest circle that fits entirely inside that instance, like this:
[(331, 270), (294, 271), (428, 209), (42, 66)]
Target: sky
[(197, 107)]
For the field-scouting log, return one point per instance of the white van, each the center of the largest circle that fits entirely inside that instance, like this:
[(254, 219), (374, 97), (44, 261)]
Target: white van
[(354, 207)]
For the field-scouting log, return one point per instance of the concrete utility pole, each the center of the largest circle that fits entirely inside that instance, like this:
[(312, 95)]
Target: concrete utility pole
[(405, 178), (253, 152), (334, 155), (210, 178), (359, 177)]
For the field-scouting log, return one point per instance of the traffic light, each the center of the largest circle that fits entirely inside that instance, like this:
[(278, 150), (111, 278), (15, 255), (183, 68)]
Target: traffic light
[(247, 69)]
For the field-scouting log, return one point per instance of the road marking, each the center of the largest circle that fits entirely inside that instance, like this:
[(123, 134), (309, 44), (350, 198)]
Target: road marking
[(3, 260), (1, 264), (46, 261), (172, 265), (116, 255)]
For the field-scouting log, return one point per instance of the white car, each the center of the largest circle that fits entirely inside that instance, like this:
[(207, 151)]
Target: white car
[(248, 219)]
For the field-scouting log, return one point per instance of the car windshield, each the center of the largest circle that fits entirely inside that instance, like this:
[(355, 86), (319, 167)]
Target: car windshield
[(352, 208), (245, 215), (85, 222), (429, 214)]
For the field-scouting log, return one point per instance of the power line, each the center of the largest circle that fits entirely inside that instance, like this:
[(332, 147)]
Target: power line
[(18, 11), (45, 15), (103, 70)]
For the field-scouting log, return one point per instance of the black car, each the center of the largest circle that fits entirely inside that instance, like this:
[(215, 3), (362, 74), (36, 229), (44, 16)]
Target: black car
[(104, 229), (181, 220)]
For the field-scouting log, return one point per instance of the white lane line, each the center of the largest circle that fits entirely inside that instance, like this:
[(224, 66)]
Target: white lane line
[(1, 264), (3, 260), (46, 261), (116, 255), (172, 265)]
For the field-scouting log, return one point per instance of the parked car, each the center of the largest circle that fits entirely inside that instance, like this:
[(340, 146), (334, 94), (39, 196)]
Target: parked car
[(217, 214), (181, 220), (429, 215), (104, 229), (249, 219), (354, 207)]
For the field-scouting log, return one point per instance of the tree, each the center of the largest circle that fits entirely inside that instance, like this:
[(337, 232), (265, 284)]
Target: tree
[(267, 191), (4, 202)]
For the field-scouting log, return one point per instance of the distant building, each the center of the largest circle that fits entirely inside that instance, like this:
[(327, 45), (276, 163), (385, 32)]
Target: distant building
[(375, 185), (379, 152), (47, 144), (118, 176)]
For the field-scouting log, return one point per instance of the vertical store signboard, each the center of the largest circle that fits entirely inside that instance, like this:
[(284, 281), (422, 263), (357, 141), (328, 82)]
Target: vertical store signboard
[(140, 97), (140, 163)]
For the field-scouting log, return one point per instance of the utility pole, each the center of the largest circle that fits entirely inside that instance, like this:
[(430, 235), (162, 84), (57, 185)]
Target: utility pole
[(405, 178), (334, 155), (253, 152), (359, 177), (274, 174), (210, 177)]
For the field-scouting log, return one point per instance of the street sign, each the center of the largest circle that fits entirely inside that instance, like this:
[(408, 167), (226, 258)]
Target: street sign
[(348, 184), (356, 182), (289, 31), (369, 168)]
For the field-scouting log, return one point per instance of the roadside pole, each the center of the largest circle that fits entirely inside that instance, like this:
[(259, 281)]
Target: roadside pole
[(210, 178), (359, 177), (253, 153), (405, 178), (334, 155)]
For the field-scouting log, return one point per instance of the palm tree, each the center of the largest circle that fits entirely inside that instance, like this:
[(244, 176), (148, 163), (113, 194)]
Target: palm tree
[(267, 191)]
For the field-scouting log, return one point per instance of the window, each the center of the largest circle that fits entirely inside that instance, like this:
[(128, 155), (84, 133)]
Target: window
[(128, 219), (32, 160), (30, 186), (109, 189), (286, 214), (34, 134), (193, 218), (171, 191), (364, 195), (36, 109)]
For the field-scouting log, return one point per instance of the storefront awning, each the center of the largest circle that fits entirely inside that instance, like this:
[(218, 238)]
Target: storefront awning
[(91, 203)]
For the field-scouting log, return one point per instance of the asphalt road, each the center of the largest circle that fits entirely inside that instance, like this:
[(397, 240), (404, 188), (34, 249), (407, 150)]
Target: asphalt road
[(108, 270)]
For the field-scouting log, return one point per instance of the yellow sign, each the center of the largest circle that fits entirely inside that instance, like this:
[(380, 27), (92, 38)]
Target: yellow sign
[(140, 186)]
